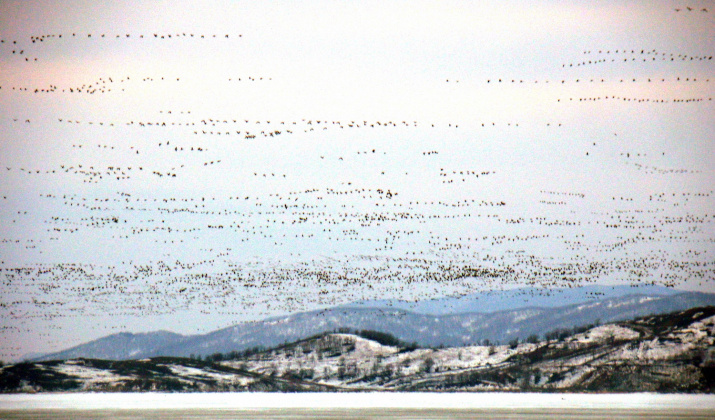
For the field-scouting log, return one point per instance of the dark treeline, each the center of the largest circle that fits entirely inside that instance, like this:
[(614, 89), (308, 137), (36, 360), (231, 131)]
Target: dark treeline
[(561, 333), (386, 339)]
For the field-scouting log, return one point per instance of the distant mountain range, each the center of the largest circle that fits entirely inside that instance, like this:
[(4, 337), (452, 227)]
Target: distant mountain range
[(503, 317), (504, 300)]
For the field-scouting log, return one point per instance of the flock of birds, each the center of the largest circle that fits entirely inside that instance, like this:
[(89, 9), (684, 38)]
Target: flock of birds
[(177, 209), (625, 56), (22, 50), (691, 9), (601, 80), (639, 100)]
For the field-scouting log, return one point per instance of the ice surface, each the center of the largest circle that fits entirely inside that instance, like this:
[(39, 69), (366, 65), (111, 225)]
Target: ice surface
[(353, 400)]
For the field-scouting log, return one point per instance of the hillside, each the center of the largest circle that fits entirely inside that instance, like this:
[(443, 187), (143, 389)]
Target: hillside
[(668, 353), (662, 353)]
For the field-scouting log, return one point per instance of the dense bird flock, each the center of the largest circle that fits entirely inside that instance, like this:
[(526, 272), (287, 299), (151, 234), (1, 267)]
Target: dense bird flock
[(127, 195)]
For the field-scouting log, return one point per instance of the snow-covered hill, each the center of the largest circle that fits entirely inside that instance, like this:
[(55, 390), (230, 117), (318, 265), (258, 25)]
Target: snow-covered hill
[(673, 353), (662, 353)]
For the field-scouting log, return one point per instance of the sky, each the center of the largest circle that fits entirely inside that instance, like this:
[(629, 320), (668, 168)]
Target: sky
[(187, 166)]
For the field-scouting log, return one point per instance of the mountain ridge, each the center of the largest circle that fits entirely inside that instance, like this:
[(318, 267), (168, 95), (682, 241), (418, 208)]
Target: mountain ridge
[(426, 330), (498, 300)]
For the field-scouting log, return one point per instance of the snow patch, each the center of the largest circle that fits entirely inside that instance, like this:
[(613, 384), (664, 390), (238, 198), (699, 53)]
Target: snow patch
[(90, 376), (604, 333)]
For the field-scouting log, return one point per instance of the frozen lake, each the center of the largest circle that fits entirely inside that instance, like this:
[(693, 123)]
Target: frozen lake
[(363, 405)]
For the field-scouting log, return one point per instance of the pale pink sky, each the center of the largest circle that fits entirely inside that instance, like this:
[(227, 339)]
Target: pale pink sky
[(614, 173)]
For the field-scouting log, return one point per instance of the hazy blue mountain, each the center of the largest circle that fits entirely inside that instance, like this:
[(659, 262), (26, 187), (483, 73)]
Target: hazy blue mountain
[(502, 300), (427, 330), (120, 346), (432, 330)]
